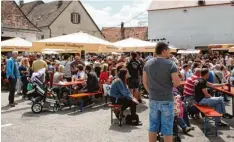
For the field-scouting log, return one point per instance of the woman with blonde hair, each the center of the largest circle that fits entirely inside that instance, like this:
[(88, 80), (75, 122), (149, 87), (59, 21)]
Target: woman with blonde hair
[(24, 70)]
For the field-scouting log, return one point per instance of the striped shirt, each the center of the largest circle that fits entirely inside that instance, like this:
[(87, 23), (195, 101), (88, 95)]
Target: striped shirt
[(189, 85)]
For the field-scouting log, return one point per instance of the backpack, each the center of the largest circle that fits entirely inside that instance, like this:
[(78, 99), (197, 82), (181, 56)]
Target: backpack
[(132, 119)]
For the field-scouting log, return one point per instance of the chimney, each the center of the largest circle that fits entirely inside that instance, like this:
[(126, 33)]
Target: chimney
[(60, 3), (122, 31), (201, 2), (21, 3)]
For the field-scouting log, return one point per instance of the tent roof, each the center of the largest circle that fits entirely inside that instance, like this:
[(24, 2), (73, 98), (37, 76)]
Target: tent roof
[(80, 37), (16, 42), (132, 42), (188, 51)]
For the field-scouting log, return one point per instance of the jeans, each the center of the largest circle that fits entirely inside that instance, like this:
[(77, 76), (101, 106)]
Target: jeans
[(12, 86), (182, 123), (215, 102), (161, 117)]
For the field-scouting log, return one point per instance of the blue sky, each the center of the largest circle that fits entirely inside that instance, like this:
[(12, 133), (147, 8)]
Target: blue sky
[(109, 13)]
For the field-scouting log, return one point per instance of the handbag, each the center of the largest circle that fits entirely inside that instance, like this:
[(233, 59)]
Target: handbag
[(29, 86)]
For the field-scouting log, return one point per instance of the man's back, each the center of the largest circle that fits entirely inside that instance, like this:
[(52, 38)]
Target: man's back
[(38, 64), (159, 72)]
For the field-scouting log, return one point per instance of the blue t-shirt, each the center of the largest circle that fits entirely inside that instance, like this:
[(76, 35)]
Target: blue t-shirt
[(211, 77)]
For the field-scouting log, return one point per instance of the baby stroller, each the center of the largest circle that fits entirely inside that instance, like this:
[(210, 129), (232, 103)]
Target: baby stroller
[(37, 93)]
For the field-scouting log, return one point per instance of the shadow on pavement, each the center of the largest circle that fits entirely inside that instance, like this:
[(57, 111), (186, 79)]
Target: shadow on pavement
[(13, 110), (31, 114), (124, 128)]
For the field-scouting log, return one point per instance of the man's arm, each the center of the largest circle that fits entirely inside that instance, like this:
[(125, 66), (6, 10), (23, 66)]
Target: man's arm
[(214, 85), (207, 95), (145, 81), (175, 79)]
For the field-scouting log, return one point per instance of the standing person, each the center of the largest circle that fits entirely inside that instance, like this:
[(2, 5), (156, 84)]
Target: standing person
[(159, 76), (24, 70), (12, 74), (38, 65), (134, 68), (67, 68), (103, 78), (74, 64), (141, 61), (19, 83)]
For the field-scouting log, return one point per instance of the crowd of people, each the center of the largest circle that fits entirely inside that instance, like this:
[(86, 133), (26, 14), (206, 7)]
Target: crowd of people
[(160, 76)]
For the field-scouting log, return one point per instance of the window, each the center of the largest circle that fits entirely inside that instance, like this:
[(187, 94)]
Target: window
[(75, 18), (42, 37)]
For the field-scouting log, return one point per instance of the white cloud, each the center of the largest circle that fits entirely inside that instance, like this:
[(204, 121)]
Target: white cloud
[(105, 18)]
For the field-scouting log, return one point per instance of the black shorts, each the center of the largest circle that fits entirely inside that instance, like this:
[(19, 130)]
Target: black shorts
[(133, 83)]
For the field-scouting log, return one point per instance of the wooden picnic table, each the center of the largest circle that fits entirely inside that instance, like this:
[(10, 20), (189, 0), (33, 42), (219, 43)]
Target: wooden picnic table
[(229, 93), (65, 84)]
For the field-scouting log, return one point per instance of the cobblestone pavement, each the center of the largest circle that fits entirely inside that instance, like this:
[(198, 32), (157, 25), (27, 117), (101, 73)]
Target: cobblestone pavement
[(19, 124)]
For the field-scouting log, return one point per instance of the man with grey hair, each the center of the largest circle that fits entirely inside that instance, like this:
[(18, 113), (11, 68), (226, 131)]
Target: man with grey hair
[(12, 74), (219, 78), (218, 75)]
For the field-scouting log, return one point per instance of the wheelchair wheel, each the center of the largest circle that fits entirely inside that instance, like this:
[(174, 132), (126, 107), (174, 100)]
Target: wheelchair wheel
[(37, 108)]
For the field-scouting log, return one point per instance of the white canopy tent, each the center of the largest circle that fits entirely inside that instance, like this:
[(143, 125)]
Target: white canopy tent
[(231, 49), (132, 44), (17, 44), (76, 41), (188, 52)]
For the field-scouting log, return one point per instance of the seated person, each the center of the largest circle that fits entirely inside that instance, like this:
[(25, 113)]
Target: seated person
[(120, 94), (92, 81), (204, 98), (81, 74), (58, 77)]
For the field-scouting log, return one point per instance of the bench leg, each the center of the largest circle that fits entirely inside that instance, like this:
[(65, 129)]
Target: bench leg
[(81, 105), (120, 117), (205, 125), (111, 116)]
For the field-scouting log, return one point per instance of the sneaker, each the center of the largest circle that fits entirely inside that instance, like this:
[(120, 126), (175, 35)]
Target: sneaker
[(12, 105), (15, 103), (221, 124), (227, 116), (187, 129)]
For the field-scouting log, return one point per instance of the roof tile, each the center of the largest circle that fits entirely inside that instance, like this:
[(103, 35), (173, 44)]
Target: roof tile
[(12, 17)]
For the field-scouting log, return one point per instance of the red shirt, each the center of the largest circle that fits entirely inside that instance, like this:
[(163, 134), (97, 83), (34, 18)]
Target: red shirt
[(103, 77), (189, 85)]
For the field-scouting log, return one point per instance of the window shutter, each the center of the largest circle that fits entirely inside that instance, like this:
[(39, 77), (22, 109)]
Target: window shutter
[(78, 18), (72, 18)]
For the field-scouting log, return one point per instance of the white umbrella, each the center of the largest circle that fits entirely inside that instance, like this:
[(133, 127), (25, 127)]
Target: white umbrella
[(132, 44), (231, 49), (17, 44), (76, 41)]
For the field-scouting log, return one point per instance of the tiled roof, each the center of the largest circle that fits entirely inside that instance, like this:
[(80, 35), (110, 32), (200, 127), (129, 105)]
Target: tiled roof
[(28, 7), (113, 34), (12, 17), (175, 4), (44, 14)]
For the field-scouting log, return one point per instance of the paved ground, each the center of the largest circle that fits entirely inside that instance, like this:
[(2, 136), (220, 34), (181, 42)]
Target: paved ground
[(19, 124)]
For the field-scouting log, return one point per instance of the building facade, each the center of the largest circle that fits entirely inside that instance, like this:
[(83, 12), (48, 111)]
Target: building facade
[(188, 24), (60, 18)]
